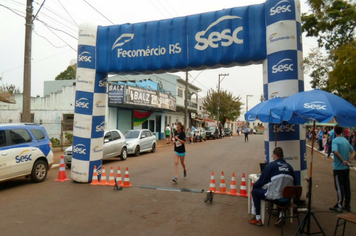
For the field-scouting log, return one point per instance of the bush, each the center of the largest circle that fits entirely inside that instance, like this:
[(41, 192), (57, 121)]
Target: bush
[(55, 142), (69, 137)]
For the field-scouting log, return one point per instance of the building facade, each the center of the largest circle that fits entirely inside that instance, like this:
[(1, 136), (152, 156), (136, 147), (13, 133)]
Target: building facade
[(55, 111)]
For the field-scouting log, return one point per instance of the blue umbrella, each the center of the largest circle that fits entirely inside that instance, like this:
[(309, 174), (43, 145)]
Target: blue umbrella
[(315, 105), (262, 111)]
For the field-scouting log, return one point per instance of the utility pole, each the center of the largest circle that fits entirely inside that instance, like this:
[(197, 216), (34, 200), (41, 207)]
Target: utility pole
[(26, 99), (219, 94), (186, 101), (247, 102)]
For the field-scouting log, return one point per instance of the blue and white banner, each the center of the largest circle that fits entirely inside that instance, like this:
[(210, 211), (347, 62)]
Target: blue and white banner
[(228, 37)]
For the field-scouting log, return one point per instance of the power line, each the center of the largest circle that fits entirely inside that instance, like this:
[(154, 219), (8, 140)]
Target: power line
[(98, 12), (51, 27), (49, 41), (67, 12), (14, 11), (158, 9), (59, 37)]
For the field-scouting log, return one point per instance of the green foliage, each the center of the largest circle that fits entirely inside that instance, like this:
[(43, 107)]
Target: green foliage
[(68, 74), (69, 137), (55, 142), (333, 23), (230, 106)]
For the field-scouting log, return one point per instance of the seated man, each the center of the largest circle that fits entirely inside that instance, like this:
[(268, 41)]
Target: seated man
[(273, 179)]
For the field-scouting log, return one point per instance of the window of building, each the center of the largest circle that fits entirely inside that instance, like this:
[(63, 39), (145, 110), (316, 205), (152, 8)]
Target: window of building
[(180, 92), (68, 120)]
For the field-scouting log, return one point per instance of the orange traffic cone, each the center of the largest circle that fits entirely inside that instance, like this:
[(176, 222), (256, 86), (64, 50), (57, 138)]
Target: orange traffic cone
[(103, 177), (243, 191), (111, 177), (127, 179), (62, 171), (118, 177), (94, 180), (222, 189), (233, 190), (212, 183)]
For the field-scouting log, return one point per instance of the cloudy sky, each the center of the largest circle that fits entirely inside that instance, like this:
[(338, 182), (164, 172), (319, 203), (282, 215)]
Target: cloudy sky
[(55, 32)]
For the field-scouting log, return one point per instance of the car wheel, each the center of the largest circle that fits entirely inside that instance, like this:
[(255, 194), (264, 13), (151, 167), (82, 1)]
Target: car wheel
[(39, 171), (123, 155), (137, 150), (153, 148)]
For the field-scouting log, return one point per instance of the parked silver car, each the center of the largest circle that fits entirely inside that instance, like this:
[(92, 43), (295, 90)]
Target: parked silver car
[(114, 145), (140, 140)]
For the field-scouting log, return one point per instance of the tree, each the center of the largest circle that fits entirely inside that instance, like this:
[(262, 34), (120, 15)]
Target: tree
[(68, 74), (230, 105), (333, 23)]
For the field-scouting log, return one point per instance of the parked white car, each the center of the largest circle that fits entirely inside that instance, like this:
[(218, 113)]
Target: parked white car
[(114, 145), (140, 140)]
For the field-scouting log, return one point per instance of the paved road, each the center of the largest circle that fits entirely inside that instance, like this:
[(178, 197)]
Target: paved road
[(68, 208)]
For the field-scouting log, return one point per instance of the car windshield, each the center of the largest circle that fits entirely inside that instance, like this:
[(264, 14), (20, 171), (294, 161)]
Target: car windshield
[(211, 128), (132, 134)]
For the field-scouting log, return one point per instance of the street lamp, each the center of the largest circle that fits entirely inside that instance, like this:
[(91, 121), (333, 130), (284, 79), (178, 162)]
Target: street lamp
[(219, 94), (247, 96)]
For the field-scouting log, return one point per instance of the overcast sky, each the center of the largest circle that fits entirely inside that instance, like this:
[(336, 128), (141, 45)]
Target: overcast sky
[(55, 32)]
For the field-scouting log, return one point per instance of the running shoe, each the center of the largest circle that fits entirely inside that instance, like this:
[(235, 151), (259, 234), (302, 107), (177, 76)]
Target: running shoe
[(175, 180), (185, 173), (256, 222)]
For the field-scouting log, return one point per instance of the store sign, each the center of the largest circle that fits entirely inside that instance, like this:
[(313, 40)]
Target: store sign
[(116, 94), (121, 94)]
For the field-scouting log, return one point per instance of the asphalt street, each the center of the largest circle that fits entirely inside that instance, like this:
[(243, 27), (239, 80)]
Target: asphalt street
[(154, 205)]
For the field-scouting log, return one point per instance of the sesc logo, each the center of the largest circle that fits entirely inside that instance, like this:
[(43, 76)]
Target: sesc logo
[(82, 103), (85, 56), (225, 37), (22, 157), (100, 127), (283, 66), (284, 128), (80, 149), (315, 105), (281, 7), (103, 83), (120, 41)]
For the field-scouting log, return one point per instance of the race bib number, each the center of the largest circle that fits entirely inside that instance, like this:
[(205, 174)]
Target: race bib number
[(178, 144)]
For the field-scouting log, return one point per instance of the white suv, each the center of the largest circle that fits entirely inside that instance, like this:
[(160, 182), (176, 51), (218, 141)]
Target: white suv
[(25, 150)]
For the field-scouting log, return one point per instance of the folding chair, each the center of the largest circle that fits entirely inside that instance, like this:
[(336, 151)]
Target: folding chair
[(286, 204)]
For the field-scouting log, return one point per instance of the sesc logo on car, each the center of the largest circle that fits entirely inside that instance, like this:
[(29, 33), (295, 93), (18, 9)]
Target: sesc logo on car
[(281, 7), (224, 38), (22, 157)]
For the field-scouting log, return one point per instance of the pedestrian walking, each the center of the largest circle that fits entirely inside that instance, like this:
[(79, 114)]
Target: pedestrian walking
[(246, 133), (179, 151), (320, 139), (168, 134), (342, 159)]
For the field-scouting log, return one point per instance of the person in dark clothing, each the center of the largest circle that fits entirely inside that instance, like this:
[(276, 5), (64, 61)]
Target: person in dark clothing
[(277, 175), (179, 151), (342, 159)]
